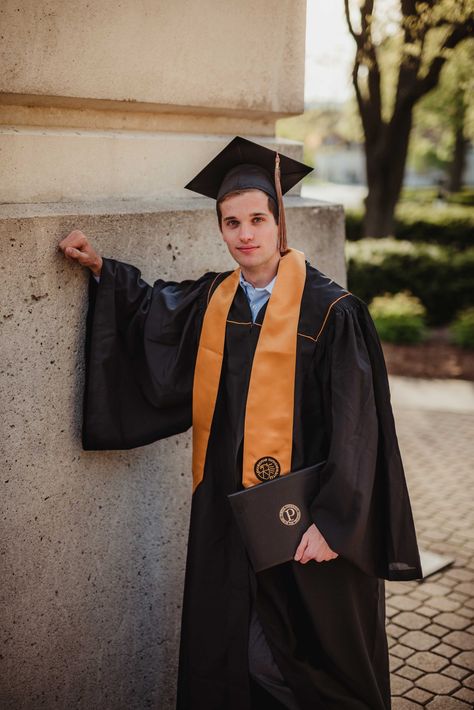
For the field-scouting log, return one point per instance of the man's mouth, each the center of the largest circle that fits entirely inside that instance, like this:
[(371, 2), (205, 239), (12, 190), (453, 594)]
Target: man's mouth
[(246, 248)]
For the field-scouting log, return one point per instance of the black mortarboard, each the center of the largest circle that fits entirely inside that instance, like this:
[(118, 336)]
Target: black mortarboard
[(243, 164)]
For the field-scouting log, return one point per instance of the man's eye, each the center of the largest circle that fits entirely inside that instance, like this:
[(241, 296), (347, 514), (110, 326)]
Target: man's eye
[(232, 222), (260, 219)]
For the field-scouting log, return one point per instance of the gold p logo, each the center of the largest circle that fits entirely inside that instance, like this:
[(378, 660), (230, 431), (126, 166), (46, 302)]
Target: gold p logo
[(290, 514)]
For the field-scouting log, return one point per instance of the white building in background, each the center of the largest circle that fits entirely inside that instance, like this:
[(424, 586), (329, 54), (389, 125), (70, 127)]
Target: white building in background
[(343, 162)]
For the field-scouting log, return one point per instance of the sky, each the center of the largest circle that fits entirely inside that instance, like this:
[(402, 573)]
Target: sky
[(329, 52), (330, 48)]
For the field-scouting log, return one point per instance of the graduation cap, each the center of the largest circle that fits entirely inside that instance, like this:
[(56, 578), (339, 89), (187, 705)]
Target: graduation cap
[(243, 164)]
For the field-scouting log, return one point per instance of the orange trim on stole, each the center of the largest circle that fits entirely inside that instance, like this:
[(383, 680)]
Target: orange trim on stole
[(268, 429)]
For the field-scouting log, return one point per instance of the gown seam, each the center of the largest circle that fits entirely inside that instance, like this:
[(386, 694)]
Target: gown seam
[(344, 295), (303, 335), (209, 294)]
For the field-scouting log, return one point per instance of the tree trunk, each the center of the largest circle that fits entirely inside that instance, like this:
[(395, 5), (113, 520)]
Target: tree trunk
[(379, 218), (459, 161), (385, 163)]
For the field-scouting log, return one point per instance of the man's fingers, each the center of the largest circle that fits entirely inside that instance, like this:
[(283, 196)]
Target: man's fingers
[(313, 546), (310, 553), (318, 555), (76, 254), (301, 548), (71, 241), (75, 239)]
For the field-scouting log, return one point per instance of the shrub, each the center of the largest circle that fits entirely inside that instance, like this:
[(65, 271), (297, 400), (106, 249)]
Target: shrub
[(451, 225), (427, 195), (439, 276), (462, 328), (399, 318)]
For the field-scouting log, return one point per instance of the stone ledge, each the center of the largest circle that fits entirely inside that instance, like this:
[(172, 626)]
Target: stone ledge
[(63, 164), (172, 202)]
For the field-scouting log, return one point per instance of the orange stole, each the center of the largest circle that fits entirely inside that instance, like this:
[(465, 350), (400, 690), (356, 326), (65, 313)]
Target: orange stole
[(268, 428)]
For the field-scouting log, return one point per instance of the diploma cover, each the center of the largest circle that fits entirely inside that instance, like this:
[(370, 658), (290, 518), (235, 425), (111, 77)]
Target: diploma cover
[(273, 515)]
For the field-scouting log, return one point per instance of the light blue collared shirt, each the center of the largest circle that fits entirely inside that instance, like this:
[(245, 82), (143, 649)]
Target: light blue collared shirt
[(256, 296)]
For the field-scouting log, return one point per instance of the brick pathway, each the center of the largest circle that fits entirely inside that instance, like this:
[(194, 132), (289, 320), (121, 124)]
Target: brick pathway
[(430, 624)]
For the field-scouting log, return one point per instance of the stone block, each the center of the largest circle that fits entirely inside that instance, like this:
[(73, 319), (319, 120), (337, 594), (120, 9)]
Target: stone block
[(446, 703), (461, 640), (437, 683), (427, 661), (95, 542), (419, 640), (452, 621), (410, 620)]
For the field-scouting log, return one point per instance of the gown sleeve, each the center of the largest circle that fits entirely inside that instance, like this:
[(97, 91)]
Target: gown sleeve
[(140, 351), (363, 508)]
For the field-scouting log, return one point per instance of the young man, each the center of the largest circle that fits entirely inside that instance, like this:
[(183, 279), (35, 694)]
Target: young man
[(277, 367)]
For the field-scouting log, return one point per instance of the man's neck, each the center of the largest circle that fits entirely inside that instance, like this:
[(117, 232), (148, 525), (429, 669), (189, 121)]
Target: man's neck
[(261, 276)]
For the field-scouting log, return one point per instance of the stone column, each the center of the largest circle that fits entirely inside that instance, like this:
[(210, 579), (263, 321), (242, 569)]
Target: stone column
[(106, 110)]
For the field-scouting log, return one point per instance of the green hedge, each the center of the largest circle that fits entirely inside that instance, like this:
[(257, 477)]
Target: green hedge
[(427, 195), (399, 318), (450, 225), (439, 276), (462, 328)]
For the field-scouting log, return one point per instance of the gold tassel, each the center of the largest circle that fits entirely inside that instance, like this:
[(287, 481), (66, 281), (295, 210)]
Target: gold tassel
[(282, 241)]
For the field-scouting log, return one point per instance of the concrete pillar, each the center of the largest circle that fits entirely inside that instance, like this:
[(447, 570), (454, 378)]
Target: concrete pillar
[(106, 110)]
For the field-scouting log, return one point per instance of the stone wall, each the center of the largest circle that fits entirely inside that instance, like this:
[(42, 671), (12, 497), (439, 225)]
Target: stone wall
[(106, 110), (94, 543)]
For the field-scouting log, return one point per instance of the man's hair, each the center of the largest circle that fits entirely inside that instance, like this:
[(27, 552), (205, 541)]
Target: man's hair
[(272, 205)]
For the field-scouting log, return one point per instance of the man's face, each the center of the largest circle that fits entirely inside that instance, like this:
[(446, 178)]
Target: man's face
[(249, 229)]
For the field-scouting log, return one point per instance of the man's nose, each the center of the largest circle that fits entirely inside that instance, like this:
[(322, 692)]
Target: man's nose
[(246, 233)]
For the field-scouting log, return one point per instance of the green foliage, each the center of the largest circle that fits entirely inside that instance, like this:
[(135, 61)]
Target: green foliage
[(427, 195), (439, 224), (445, 110), (438, 275), (451, 225), (462, 328), (465, 197), (399, 318)]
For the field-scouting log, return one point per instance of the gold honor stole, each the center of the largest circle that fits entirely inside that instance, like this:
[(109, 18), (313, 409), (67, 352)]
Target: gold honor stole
[(268, 428)]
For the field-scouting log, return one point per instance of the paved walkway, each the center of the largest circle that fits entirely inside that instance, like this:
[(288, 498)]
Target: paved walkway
[(430, 623)]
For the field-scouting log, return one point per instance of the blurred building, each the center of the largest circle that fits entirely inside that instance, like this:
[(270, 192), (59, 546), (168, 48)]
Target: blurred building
[(341, 161)]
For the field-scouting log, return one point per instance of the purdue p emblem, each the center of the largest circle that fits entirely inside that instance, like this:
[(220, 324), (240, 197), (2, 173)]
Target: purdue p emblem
[(290, 514)]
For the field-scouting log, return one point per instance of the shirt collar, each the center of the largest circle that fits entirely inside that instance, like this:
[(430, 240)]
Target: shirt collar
[(269, 287)]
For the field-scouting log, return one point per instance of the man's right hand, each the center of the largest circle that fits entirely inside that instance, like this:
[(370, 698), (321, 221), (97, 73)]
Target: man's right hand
[(76, 247)]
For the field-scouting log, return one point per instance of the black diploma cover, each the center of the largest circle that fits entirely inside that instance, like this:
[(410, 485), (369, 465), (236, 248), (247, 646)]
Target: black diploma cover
[(272, 516)]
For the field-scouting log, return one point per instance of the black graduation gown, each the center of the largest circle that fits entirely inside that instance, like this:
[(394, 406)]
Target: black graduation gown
[(325, 622)]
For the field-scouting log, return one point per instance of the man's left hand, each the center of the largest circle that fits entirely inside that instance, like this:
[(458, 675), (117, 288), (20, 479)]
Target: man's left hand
[(313, 546)]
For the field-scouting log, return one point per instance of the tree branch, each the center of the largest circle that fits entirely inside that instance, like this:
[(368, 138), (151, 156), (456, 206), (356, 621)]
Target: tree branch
[(428, 82), (356, 36), (370, 108)]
